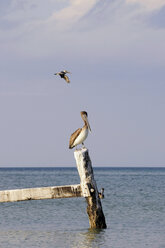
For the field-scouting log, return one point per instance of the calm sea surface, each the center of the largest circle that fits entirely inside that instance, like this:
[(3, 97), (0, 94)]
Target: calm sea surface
[(134, 208)]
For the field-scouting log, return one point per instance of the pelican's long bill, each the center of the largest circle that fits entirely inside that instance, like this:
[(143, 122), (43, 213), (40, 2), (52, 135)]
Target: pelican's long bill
[(85, 117)]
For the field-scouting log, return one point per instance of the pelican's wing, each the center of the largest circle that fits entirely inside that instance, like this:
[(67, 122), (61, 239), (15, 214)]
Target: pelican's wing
[(66, 78), (73, 137)]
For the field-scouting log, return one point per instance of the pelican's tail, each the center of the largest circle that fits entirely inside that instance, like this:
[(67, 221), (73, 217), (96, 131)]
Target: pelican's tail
[(70, 146)]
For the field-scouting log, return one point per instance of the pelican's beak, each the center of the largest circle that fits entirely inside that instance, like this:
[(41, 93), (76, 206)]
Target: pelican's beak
[(88, 124)]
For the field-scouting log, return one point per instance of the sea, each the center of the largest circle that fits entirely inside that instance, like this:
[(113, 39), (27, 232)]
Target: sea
[(134, 209)]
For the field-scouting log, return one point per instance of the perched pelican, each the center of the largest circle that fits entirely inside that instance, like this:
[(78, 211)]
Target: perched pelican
[(63, 75), (80, 134)]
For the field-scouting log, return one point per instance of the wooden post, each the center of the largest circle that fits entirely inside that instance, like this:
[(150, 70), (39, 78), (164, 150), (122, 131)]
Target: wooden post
[(89, 189), (53, 192)]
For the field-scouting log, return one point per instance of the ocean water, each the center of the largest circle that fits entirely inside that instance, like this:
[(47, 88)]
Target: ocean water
[(134, 208)]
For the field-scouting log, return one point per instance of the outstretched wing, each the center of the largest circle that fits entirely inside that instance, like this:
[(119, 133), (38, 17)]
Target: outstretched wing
[(73, 137), (66, 78)]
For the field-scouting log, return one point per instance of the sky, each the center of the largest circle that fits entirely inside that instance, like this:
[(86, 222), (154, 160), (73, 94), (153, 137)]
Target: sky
[(115, 51)]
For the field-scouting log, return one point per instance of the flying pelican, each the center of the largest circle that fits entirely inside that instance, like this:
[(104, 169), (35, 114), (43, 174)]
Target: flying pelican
[(63, 75), (80, 134)]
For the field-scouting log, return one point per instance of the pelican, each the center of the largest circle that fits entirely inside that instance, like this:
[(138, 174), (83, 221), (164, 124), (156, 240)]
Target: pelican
[(80, 134), (63, 75)]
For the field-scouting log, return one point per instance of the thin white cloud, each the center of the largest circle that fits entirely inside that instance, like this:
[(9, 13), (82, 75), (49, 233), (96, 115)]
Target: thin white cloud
[(149, 5), (72, 13), (114, 23)]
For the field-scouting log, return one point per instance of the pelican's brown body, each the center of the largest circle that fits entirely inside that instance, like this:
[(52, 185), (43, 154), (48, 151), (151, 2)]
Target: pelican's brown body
[(80, 134)]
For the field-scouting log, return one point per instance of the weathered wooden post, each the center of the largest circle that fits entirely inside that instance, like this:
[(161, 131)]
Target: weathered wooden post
[(89, 189)]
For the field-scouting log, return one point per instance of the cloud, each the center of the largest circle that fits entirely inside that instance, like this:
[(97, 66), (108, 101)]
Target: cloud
[(148, 5), (104, 29), (72, 13)]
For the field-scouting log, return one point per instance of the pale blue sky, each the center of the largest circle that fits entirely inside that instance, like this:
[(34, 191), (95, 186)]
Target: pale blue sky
[(116, 53)]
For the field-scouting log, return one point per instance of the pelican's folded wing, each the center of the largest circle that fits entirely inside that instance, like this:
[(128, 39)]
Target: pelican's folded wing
[(73, 137)]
